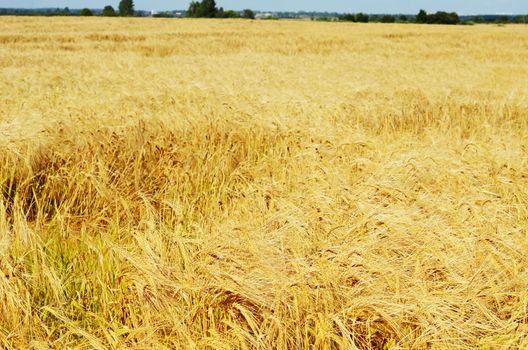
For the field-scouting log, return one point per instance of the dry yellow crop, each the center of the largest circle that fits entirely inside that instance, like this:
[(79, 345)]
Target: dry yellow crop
[(262, 184)]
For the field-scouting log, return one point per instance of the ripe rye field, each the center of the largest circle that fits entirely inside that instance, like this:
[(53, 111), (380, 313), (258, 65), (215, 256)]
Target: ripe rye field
[(262, 185)]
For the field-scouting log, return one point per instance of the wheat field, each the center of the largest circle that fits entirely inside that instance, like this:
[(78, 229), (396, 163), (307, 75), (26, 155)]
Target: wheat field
[(231, 184)]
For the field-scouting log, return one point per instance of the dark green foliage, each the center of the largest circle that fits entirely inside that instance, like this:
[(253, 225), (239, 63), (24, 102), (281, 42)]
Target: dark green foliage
[(498, 19), (421, 17), (443, 18), (227, 14), (208, 9), (86, 12), (403, 18), (359, 17), (109, 11), (388, 19), (439, 17), (205, 8), (163, 15), (56, 12), (521, 19), (247, 13), (502, 19), (362, 18), (348, 17), (194, 9), (126, 8)]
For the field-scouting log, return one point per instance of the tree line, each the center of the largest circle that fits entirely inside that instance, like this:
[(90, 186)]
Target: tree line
[(209, 9), (205, 8), (439, 17), (126, 9)]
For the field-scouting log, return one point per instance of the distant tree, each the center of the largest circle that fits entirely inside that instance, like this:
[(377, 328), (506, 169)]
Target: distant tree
[(194, 9), (109, 11), (209, 9), (403, 18), (359, 17), (126, 8), (443, 18), (205, 8), (438, 18), (388, 19), (421, 17), (51, 12), (164, 14), (362, 18), (478, 19), (227, 14), (502, 19), (247, 13), (86, 12), (348, 17), (521, 19)]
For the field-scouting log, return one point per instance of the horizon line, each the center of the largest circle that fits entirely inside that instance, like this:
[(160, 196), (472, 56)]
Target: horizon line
[(279, 11)]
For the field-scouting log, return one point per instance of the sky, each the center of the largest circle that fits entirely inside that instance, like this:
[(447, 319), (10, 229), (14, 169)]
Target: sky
[(369, 6)]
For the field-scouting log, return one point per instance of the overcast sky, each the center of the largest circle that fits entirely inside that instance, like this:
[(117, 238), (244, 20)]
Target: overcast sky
[(370, 6)]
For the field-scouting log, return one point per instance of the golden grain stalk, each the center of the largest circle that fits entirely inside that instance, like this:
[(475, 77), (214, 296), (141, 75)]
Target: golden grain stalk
[(286, 185)]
